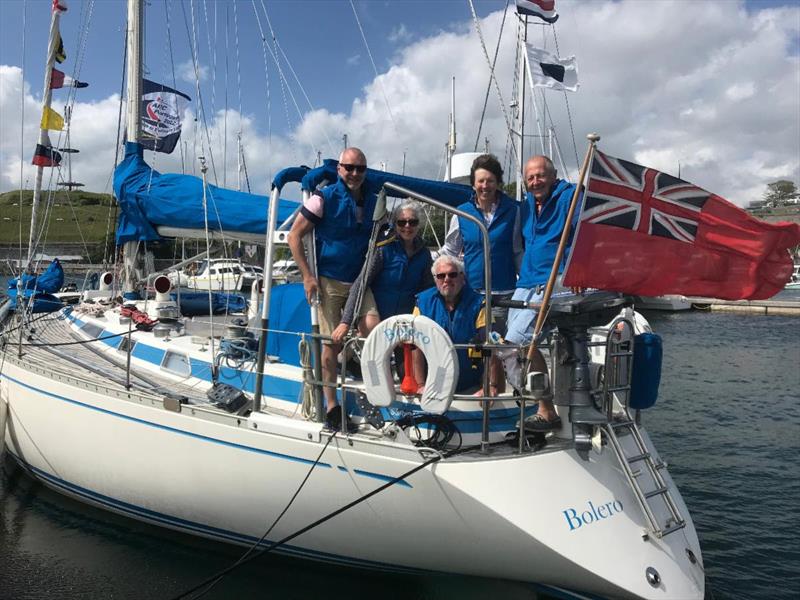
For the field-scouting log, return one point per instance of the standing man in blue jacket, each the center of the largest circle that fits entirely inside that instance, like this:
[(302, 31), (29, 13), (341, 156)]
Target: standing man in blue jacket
[(341, 216), (544, 214)]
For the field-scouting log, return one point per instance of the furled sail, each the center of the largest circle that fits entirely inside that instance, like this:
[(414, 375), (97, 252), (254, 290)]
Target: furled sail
[(149, 199)]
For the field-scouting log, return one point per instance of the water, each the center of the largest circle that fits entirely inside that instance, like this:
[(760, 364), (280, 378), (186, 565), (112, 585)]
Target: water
[(727, 421)]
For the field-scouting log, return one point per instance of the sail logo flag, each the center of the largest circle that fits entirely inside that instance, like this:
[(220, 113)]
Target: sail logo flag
[(60, 80), (162, 110), (547, 70), (52, 120), (648, 233), (544, 9)]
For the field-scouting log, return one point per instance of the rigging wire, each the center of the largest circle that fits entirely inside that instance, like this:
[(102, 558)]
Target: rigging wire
[(374, 68), (285, 87), (491, 72), (114, 207), (22, 125), (253, 547), (436, 458), (489, 85), (225, 87), (569, 112), (239, 147), (194, 52)]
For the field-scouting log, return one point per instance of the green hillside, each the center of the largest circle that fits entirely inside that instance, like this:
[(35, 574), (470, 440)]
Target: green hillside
[(70, 216)]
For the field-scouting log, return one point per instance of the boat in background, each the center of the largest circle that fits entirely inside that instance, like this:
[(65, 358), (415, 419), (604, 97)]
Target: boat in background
[(670, 302), (218, 275), (794, 282)]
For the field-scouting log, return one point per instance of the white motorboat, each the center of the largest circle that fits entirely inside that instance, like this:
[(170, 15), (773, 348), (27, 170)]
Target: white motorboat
[(218, 275), (670, 302), (214, 428), (794, 282)]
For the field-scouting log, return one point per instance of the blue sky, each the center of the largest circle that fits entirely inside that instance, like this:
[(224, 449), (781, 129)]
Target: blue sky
[(320, 37), (710, 85)]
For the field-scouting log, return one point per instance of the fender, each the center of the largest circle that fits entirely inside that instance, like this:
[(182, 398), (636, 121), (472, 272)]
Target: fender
[(435, 344)]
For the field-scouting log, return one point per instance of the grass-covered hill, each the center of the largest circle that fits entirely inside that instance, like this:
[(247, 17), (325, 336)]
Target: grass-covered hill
[(71, 216)]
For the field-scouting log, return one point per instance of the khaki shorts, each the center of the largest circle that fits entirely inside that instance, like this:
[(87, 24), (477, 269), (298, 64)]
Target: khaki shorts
[(332, 298)]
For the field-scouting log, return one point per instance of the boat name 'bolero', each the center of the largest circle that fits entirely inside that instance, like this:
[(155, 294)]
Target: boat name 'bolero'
[(594, 514)]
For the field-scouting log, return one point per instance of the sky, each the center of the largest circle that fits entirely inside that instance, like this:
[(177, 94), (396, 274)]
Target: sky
[(707, 88)]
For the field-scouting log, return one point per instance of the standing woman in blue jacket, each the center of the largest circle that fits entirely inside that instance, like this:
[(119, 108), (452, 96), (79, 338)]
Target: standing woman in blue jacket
[(501, 215), (400, 269)]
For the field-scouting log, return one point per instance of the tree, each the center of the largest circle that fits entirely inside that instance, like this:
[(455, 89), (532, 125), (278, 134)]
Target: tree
[(780, 193)]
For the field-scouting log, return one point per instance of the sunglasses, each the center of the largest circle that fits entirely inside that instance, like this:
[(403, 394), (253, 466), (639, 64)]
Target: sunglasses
[(351, 168), (450, 275), (407, 222)]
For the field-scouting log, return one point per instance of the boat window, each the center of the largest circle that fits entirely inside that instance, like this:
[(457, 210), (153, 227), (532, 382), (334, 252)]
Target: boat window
[(213, 271), (176, 363), (92, 330), (123, 345)]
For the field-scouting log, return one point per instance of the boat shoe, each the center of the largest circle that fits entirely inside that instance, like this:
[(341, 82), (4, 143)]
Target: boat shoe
[(333, 421), (538, 423)]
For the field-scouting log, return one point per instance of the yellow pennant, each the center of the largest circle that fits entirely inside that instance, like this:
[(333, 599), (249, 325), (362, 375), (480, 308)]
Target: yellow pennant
[(52, 120)]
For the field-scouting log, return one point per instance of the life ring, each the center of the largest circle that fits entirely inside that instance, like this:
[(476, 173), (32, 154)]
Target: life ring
[(428, 336)]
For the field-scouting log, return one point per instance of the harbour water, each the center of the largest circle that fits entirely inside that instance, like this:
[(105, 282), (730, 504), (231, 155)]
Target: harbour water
[(727, 421)]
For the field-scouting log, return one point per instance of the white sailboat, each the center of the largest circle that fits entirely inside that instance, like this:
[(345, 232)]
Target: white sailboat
[(200, 427)]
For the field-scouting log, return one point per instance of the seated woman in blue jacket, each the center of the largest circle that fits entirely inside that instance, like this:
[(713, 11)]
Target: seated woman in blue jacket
[(459, 310), (400, 269)]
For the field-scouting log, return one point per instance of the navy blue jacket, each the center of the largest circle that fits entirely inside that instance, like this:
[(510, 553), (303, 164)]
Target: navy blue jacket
[(341, 241), (501, 240), (401, 278), (542, 234), (460, 325)]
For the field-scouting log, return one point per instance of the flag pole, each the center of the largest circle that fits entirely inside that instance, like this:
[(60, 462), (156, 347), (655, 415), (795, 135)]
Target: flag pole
[(548, 292), (44, 139)]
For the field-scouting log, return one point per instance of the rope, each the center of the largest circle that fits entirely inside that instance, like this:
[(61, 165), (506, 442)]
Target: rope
[(374, 68), (320, 521), (254, 546)]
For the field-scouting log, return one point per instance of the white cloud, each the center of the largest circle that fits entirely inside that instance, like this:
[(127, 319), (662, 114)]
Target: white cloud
[(185, 71), (713, 89), (400, 34), (354, 60)]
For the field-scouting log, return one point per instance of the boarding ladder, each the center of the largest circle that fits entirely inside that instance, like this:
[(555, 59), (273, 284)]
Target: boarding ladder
[(642, 469)]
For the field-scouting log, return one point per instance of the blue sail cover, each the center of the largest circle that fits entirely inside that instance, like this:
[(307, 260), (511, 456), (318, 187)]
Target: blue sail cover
[(452, 194), (39, 288), (149, 199)]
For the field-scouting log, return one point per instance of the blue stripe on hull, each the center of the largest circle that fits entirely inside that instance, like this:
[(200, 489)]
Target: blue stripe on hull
[(204, 438), (191, 527)]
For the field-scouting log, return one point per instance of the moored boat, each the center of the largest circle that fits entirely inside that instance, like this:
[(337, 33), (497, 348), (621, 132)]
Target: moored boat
[(209, 426)]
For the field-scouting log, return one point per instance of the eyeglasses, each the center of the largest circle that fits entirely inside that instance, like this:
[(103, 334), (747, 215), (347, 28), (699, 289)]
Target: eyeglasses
[(407, 222), (351, 168), (450, 275)]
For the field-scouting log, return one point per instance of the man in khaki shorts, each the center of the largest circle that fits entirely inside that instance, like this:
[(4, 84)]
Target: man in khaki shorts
[(341, 216)]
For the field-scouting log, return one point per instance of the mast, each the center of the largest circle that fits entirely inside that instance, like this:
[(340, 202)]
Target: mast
[(134, 95), (59, 6), (521, 107), (451, 141)]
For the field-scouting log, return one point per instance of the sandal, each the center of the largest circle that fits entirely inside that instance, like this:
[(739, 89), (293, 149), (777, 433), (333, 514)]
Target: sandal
[(538, 423)]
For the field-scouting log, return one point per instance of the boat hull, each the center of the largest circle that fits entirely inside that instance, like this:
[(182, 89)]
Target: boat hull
[(513, 517)]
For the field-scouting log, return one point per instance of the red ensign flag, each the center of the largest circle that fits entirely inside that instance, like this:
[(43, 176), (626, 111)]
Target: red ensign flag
[(647, 233)]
